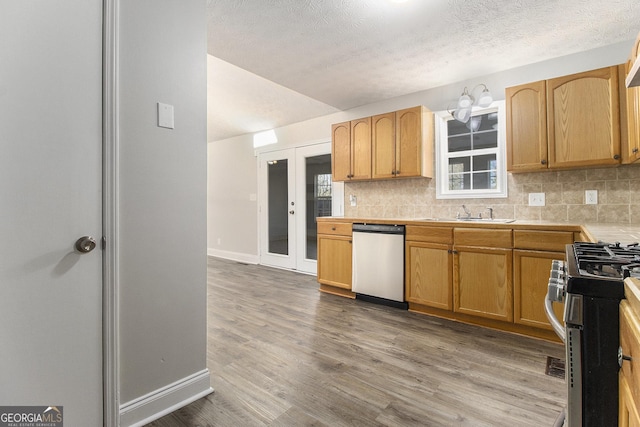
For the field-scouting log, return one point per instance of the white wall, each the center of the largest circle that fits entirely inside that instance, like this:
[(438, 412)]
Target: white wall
[(227, 221), (162, 215)]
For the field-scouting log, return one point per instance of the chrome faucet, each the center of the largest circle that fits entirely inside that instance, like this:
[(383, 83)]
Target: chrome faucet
[(466, 211), (490, 212)]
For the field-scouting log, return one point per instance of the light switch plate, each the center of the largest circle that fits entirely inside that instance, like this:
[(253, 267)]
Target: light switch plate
[(165, 115), (591, 197), (536, 199)]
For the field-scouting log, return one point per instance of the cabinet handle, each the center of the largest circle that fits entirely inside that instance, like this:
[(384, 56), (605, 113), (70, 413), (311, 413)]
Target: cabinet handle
[(634, 151), (349, 241), (543, 161), (333, 229), (616, 157), (622, 357)]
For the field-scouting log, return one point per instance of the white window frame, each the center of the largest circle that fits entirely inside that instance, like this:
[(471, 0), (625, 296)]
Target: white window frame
[(442, 156)]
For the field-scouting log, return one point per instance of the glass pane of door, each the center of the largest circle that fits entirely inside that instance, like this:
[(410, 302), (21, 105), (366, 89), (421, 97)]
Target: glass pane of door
[(318, 198), (278, 205)]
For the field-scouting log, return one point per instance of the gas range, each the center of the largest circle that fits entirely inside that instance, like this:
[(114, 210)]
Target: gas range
[(590, 283)]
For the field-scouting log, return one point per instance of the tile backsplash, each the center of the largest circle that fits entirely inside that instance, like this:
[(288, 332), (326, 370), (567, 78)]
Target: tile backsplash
[(618, 197)]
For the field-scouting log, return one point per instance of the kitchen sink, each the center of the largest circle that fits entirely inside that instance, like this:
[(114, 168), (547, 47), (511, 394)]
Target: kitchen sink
[(480, 220), (494, 220)]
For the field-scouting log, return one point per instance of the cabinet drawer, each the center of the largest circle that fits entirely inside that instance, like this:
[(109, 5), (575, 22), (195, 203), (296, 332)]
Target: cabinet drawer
[(485, 237), (418, 233), (542, 240), (336, 228)]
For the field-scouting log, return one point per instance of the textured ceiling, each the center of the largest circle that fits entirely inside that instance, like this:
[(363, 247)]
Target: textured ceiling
[(278, 62)]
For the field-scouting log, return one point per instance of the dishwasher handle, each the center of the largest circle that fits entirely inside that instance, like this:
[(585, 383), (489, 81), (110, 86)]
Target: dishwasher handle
[(378, 228)]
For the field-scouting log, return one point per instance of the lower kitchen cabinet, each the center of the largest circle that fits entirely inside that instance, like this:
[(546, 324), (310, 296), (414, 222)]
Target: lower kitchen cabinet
[(429, 274), (530, 277), (334, 254), (629, 377), (483, 282)]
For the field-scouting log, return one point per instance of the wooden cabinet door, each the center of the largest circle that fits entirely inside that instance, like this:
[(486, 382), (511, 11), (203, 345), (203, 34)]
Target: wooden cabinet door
[(383, 145), (583, 119), (630, 344), (409, 140), (628, 412), (482, 282), (530, 282), (630, 120), (526, 127), (429, 268), (334, 260), (361, 148), (341, 151)]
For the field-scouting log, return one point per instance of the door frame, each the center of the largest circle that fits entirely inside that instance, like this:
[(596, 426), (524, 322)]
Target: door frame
[(110, 144), (266, 257), (303, 264), (296, 259)]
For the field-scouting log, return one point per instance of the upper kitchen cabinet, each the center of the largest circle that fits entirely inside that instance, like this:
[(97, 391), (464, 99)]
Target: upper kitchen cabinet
[(566, 122), (526, 127), (399, 145), (630, 111), (351, 150), (633, 74), (583, 119)]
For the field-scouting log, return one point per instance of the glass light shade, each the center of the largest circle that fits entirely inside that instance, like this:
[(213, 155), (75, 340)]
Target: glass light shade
[(462, 114), (485, 99), (474, 123), (465, 100)]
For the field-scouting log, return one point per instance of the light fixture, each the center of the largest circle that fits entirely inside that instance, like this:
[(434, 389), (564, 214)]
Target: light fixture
[(467, 101), (267, 137)]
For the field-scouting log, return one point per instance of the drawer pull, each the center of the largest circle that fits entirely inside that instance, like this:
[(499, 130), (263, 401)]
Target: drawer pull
[(622, 357)]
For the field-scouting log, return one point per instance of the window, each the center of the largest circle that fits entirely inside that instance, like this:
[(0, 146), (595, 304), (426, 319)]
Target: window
[(322, 195), (470, 156)]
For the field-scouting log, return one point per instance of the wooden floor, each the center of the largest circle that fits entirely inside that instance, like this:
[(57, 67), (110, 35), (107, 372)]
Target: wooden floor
[(283, 354)]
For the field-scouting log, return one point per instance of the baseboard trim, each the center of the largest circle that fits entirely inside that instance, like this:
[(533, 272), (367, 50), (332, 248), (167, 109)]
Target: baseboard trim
[(234, 256), (165, 400)]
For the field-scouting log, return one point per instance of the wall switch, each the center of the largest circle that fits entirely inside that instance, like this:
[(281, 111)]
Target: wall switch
[(591, 197), (165, 115), (536, 199), (353, 200)]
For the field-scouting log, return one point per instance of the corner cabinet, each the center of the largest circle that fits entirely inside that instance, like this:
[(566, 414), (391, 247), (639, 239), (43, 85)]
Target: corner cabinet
[(630, 116), (566, 122), (534, 251), (398, 144), (334, 257)]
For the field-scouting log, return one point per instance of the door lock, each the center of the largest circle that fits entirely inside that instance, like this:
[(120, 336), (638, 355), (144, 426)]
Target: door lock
[(85, 244)]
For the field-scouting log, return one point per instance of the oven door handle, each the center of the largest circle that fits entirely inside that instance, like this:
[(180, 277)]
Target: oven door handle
[(555, 323)]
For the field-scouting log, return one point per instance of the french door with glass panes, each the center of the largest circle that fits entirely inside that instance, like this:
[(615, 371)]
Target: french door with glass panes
[(294, 189)]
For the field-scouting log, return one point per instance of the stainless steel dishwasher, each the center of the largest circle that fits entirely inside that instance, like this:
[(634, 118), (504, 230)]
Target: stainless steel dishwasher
[(378, 263)]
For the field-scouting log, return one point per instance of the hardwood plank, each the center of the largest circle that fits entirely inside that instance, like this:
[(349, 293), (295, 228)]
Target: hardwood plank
[(283, 354)]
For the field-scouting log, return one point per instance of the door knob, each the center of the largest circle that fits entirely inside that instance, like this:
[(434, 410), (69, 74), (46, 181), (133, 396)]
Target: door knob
[(85, 244)]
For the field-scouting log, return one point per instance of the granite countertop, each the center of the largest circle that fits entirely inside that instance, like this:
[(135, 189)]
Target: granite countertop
[(623, 233)]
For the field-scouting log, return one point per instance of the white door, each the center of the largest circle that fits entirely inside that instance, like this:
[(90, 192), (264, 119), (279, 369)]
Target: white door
[(50, 196), (295, 188)]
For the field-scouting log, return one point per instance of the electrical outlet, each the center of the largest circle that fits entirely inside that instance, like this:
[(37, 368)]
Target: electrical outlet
[(353, 200), (591, 197), (536, 199)]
